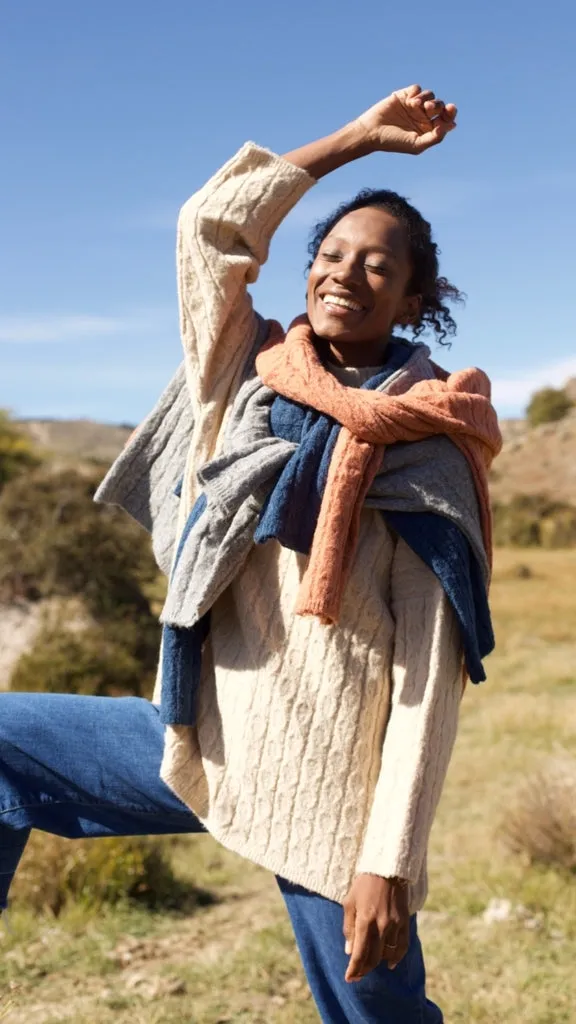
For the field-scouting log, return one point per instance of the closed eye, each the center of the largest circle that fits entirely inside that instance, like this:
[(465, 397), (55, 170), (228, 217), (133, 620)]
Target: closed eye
[(332, 256), (377, 268)]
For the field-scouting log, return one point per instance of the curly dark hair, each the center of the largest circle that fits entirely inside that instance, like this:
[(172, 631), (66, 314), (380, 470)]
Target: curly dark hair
[(424, 252)]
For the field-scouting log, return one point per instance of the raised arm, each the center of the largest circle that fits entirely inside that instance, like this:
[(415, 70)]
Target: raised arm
[(224, 232), (225, 229)]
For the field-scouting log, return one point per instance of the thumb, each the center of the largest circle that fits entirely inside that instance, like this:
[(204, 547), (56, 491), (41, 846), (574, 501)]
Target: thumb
[(434, 136)]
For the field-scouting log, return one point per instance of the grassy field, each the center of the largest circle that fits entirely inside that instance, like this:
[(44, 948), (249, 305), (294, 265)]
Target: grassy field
[(234, 960)]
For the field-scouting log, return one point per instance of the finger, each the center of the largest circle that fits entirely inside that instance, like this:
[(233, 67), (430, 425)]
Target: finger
[(450, 112), (360, 951), (434, 108), (395, 953), (411, 91), (394, 959), (348, 925), (425, 96)]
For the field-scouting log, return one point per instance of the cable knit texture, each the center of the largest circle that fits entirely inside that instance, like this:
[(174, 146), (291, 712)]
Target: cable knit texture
[(319, 751), (458, 406)]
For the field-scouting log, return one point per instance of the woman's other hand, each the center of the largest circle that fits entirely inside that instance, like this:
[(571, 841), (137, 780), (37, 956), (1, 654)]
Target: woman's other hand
[(408, 121), (376, 924)]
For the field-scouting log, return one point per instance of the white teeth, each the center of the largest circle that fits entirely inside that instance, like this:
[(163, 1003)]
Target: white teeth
[(337, 300)]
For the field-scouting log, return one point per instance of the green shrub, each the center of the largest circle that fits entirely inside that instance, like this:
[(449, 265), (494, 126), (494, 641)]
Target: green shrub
[(547, 406), (534, 521), (56, 871), (99, 660), (17, 453), (54, 541)]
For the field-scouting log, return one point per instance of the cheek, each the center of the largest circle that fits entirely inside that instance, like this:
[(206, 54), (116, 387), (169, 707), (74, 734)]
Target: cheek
[(311, 285), (313, 277), (383, 296), (389, 294)]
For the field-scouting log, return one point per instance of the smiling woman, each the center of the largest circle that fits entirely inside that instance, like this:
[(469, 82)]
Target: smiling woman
[(329, 556)]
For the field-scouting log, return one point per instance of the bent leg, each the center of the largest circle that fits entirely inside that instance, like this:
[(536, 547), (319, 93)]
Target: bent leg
[(382, 997), (81, 766)]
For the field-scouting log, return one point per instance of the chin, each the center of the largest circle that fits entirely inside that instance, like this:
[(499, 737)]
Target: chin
[(325, 327)]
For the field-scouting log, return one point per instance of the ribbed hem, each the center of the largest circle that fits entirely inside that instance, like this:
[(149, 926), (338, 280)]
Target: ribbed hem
[(307, 879)]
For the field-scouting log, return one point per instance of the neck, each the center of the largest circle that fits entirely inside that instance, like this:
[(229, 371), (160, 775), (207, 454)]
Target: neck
[(351, 353)]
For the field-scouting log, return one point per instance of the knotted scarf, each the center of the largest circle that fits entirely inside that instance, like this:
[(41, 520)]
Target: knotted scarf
[(458, 406)]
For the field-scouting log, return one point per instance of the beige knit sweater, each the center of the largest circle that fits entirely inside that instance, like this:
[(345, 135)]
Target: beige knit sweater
[(319, 752)]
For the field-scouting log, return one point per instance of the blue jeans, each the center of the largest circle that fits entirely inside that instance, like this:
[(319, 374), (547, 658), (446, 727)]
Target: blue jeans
[(90, 766)]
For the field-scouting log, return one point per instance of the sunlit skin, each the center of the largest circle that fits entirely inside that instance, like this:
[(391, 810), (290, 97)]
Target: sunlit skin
[(364, 259)]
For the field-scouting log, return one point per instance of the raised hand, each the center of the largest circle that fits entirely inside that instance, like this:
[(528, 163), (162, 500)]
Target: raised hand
[(408, 121)]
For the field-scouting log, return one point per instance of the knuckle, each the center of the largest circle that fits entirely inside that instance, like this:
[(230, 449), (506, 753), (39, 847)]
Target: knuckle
[(364, 916)]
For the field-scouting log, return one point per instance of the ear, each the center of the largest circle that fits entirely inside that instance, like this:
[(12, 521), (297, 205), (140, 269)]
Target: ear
[(409, 311)]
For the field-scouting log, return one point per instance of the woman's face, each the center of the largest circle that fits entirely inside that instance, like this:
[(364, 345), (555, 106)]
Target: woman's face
[(358, 281)]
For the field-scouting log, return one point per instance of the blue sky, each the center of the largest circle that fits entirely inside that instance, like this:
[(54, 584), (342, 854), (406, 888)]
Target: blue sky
[(114, 112)]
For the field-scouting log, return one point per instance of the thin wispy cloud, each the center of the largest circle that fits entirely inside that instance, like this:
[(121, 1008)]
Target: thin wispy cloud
[(514, 392), (73, 327)]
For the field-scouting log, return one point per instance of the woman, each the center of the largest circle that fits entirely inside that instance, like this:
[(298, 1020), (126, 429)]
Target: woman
[(310, 682)]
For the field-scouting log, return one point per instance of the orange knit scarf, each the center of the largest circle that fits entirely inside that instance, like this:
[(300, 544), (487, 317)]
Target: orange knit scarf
[(458, 406)]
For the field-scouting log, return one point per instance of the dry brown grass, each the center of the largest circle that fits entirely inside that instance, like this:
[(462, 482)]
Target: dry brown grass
[(541, 823)]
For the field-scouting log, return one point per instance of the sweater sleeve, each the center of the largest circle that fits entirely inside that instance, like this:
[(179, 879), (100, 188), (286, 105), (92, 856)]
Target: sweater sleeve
[(426, 694), (224, 233)]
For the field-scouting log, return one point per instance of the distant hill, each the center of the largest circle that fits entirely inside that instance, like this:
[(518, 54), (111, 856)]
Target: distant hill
[(76, 440), (541, 460)]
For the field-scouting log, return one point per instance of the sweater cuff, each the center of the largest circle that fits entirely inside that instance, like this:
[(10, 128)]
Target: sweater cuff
[(374, 861)]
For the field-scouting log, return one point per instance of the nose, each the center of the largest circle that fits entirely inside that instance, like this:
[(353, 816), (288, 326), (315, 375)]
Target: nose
[(347, 272)]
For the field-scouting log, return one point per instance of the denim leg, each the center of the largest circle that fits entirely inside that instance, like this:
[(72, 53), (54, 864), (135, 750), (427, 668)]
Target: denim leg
[(382, 997), (12, 846), (81, 767)]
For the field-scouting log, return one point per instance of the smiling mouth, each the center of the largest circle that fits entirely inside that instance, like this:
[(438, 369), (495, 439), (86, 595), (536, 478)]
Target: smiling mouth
[(339, 306)]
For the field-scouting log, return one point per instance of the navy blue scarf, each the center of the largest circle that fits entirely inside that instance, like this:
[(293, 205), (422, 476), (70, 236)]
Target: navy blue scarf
[(289, 516)]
